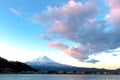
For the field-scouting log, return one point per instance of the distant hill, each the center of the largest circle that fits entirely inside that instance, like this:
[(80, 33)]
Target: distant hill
[(13, 67), (118, 69), (46, 64)]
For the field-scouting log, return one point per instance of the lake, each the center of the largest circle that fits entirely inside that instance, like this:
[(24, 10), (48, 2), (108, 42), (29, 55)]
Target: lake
[(57, 77)]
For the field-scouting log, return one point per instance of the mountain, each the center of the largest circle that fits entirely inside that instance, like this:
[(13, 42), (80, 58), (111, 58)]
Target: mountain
[(42, 59), (46, 64), (118, 69), (13, 67)]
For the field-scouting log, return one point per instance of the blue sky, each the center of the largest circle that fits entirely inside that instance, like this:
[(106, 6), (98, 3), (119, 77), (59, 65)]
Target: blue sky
[(82, 33)]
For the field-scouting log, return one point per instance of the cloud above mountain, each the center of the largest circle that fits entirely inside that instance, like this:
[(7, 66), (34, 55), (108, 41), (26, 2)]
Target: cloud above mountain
[(74, 52), (114, 14), (77, 22)]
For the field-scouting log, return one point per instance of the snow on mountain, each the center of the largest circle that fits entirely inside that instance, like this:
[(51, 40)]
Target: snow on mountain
[(45, 63), (43, 59)]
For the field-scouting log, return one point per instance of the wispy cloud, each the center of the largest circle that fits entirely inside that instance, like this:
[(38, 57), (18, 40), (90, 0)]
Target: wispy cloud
[(92, 61), (58, 45), (16, 12), (74, 52), (76, 21)]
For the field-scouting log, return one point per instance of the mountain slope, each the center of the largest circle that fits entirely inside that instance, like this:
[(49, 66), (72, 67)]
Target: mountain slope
[(46, 64), (11, 66)]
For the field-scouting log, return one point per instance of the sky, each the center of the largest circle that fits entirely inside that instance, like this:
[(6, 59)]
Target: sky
[(83, 33)]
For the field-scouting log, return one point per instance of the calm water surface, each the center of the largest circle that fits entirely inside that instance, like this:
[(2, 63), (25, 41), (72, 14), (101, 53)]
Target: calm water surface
[(57, 77)]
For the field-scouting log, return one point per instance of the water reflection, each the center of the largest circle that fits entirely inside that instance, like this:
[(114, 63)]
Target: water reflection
[(57, 77)]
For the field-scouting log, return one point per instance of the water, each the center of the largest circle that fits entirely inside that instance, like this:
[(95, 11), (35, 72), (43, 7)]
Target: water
[(57, 77)]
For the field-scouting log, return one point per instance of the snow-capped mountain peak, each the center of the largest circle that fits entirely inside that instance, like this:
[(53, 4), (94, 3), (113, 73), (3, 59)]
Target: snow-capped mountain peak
[(43, 59)]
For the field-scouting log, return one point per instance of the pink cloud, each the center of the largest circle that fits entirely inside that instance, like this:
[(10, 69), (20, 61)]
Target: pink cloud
[(72, 12), (74, 52), (58, 45), (114, 14), (114, 3), (58, 27), (76, 22)]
